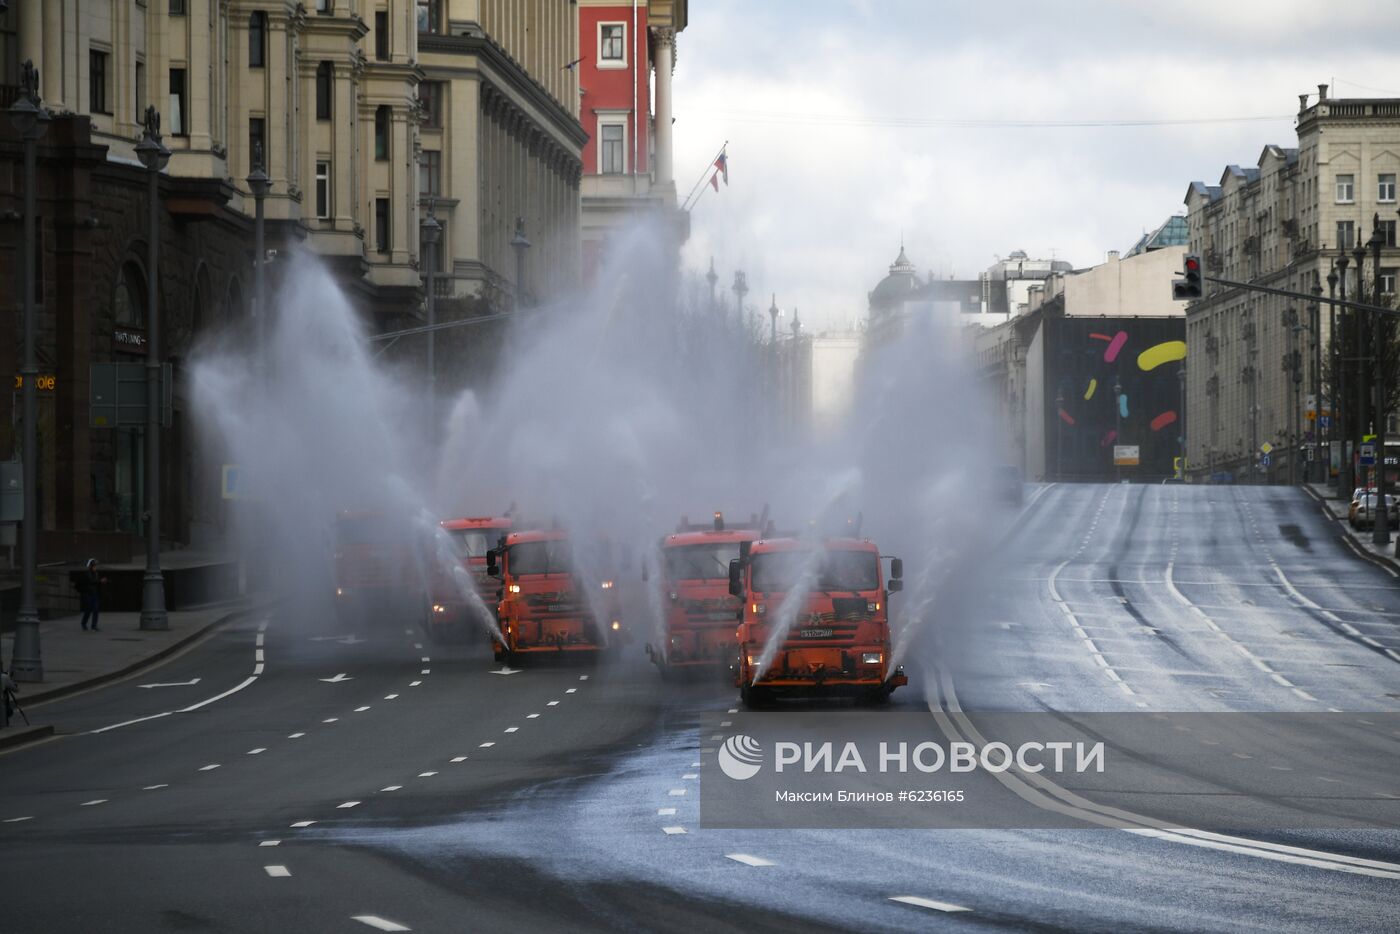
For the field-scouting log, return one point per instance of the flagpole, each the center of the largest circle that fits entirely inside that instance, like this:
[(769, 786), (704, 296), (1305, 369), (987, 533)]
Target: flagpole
[(709, 166)]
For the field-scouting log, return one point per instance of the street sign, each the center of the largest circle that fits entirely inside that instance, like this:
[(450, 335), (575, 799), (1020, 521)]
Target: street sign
[(117, 395), (233, 483), (1125, 455), (1325, 422), (1367, 454), (1265, 461), (1266, 447)]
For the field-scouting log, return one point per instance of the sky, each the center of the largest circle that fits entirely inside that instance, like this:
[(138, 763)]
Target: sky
[(854, 123)]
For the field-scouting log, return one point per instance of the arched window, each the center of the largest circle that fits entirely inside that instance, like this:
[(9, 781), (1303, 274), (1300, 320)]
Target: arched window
[(257, 39), (129, 299), (381, 132), (324, 83)]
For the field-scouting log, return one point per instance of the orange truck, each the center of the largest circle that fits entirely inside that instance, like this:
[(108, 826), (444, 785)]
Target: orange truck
[(547, 603), (834, 599), (376, 570), (699, 613), (451, 612)]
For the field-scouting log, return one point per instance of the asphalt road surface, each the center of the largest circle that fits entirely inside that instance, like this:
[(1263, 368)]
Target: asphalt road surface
[(309, 783)]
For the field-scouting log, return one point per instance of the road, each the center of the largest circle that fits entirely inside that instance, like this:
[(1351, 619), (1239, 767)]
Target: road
[(308, 784)]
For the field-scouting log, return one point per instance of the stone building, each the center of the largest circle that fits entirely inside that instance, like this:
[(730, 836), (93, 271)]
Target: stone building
[(1282, 222)]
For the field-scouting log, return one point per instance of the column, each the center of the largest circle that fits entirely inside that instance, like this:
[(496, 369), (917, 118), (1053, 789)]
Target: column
[(50, 57), (665, 52)]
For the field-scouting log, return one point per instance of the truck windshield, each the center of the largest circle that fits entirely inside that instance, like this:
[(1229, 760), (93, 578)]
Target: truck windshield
[(551, 557), (700, 562), (779, 571), (474, 543)]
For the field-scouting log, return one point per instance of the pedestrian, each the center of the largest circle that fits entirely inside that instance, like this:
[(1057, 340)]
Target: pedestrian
[(89, 584)]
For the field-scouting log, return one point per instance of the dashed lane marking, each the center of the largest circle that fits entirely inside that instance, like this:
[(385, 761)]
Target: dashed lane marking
[(532, 716), (571, 691), (379, 924), (295, 735), (672, 831), (259, 751), (512, 729), (426, 774), (303, 823), (583, 677), (209, 768), (690, 776), (155, 787), (426, 671), (676, 792), (391, 788), (88, 804), (459, 759), (362, 709), (486, 745), (919, 902), (16, 820), (553, 703), (748, 860), (347, 804), (390, 696), (331, 720), (414, 684), (278, 872), (270, 843), (665, 812)]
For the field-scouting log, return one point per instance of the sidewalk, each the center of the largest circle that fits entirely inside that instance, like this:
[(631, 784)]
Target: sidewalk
[(1384, 555), (75, 660)]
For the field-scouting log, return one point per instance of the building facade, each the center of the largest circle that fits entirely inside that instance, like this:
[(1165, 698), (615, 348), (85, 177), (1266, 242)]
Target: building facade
[(1282, 222), (627, 48)]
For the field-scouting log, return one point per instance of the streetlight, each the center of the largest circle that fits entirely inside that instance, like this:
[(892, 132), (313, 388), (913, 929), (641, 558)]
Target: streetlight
[(1363, 350), (741, 288), (1333, 386), (712, 277), (1347, 474), (259, 184), (520, 245), (1380, 528), (1315, 320), (1295, 368), (31, 120), (773, 314), (154, 157), (431, 234)]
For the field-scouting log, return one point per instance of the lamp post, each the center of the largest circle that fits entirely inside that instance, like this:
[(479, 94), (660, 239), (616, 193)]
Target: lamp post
[(259, 184), (1333, 392), (1363, 390), (741, 288), (1315, 321), (31, 120), (431, 234), (712, 277), (154, 157), (1347, 474), (1181, 420), (1295, 369), (1380, 528), (520, 245), (773, 316)]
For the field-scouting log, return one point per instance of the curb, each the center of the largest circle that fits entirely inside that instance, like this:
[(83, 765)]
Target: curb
[(27, 735), (1389, 565), (106, 677)]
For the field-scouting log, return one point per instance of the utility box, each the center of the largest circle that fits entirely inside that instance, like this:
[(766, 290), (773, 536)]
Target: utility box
[(117, 395), (11, 491)]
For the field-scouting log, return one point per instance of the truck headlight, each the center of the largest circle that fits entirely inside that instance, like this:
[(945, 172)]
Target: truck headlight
[(616, 625), (607, 585), (759, 609), (439, 609), (872, 607), (340, 591), (515, 588), (871, 658)]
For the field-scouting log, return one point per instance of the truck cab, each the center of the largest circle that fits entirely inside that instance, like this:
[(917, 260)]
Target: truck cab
[(451, 611), (546, 603), (815, 620), (376, 568), (699, 613)]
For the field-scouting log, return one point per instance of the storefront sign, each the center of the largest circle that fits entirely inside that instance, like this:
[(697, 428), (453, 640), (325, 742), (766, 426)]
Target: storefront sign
[(128, 340), (45, 382)]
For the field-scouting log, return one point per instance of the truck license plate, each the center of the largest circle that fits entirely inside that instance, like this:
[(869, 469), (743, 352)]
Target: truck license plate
[(817, 633)]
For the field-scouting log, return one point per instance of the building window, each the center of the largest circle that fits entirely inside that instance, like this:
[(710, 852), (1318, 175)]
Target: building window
[(179, 114), (325, 82), (1346, 189), (323, 7), (178, 7), (1387, 232), (129, 299), (257, 39), (612, 149), (381, 225), (381, 35), (381, 132), (257, 141), (1346, 235), (430, 16), (1385, 189), (429, 173), (97, 82), (1387, 281), (430, 99), (140, 91), (323, 190), (612, 44)]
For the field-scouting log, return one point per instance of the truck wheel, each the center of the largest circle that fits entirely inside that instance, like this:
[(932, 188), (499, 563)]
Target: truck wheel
[(753, 697)]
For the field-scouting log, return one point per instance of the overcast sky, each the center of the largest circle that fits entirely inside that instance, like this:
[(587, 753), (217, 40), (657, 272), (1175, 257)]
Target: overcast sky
[(838, 115)]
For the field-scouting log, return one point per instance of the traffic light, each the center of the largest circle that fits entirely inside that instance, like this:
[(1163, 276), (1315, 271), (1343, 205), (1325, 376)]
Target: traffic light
[(1192, 286)]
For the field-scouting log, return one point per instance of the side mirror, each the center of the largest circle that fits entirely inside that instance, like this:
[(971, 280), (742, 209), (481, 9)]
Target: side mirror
[(492, 568), (896, 568), (894, 586), (736, 579)]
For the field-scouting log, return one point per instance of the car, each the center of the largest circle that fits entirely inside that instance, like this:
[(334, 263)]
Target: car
[(1355, 505), (1365, 509)]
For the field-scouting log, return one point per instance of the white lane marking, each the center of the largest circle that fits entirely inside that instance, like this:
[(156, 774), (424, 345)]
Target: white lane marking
[(258, 751), (278, 872), (732, 710), (114, 726), (726, 723), (695, 765), (303, 823), (233, 690), (295, 735), (511, 729), (337, 679), (418, 646), (487, 745), (748, 860), (426, 659), (571, 691), (262, 627), (209, 768), (414, 684), (553, 703), (459, 758), (171, 684), (672, 831), (155, 787), (532, 716), (390, 696), (258, 655), (919, 902), (362, 709), (583, 677), (676, 792), (690, 775), (258, 668), (347, 804), (261, 637), (88, 804), (270, 843), (391, 788), (426, 671), (379, 924), (665, 812), (505, 670), (426, 774), (331, 720), (15, 820)]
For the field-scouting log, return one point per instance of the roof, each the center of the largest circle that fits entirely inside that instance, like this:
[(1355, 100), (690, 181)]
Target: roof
[(898, 283), (805, 544), (477, 522), (711, 537), (1172, 232), (1211, 193), (536, 535)]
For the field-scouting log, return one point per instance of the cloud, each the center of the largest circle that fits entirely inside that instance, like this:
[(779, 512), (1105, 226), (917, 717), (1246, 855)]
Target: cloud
[(850, 123)]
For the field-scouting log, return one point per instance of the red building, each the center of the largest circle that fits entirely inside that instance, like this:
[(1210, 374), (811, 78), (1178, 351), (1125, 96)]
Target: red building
[(627, 162)]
